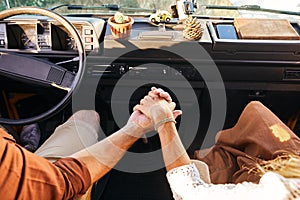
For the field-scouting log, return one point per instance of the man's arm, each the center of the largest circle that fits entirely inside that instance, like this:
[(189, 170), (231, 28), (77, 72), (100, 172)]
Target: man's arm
[(104, 155)]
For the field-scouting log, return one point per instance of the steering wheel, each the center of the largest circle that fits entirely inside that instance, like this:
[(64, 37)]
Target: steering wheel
[(24, 68)]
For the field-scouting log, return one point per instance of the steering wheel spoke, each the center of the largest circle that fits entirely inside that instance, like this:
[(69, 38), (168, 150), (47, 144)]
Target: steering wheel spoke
[(29, 69)]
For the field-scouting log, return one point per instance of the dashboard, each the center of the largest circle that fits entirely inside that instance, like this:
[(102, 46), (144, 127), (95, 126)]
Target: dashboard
[(253, 62), (43, 35)]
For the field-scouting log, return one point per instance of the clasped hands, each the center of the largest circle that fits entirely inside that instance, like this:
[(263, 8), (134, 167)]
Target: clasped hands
[(154, 110)]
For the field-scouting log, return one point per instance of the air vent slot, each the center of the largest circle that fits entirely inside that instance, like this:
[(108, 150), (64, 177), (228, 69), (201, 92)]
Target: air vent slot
[(292, 74), (156, 35)]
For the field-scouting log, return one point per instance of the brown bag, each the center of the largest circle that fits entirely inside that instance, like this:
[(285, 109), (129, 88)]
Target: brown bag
[(258, 135)]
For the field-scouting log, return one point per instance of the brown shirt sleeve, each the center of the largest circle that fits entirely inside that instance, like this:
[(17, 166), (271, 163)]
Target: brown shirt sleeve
[(76, 175), (25, 175)]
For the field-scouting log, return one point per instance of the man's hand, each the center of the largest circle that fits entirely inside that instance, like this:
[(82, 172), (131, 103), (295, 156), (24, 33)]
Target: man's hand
[(159, 102), (155, 108), (161, 93), (141, 121), (165, 95)]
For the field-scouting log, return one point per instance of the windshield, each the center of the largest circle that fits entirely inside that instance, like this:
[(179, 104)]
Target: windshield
[(219, 8)]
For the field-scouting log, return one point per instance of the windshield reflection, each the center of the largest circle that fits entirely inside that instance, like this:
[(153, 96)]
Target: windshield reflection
[(148, 7)]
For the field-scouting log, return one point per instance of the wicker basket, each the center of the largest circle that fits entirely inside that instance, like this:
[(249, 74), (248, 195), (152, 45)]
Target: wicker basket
[(120, 30)]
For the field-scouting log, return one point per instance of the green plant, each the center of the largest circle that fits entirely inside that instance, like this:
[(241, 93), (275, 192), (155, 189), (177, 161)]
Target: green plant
[(119, 18)]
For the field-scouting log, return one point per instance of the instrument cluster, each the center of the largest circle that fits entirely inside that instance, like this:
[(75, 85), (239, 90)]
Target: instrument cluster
[(45, 35)]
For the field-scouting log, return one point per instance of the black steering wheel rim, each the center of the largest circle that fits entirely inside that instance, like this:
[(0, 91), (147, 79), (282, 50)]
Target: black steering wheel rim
[(81, 54)]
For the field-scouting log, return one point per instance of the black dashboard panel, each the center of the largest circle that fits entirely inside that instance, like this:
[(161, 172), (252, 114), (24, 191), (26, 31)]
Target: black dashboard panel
[(249, 61)]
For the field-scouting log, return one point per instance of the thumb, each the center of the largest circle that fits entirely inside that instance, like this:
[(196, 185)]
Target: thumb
[(136, 107), (177, 113), (172, 105)]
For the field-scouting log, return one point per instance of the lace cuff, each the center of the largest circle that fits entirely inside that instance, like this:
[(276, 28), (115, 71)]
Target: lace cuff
[(183, 177), (184, 170), (203, 170)]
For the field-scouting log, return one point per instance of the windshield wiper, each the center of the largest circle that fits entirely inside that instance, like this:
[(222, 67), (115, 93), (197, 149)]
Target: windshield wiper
[(114, 7), (7, 4), (251, 8)]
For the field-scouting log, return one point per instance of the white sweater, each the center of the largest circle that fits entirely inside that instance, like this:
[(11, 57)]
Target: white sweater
[(186, 184)]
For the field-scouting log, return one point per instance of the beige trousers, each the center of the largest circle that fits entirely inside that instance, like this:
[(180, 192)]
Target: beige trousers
[(77, 133)]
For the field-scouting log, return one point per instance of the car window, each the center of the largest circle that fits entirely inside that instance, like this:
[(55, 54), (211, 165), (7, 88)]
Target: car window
[(225, 8)]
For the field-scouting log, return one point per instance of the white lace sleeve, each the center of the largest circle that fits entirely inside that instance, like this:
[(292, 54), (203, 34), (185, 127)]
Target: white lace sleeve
[(186, 184)]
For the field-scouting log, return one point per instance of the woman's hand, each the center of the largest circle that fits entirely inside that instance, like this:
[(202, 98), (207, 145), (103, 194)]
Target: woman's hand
[(141, 121), (165, 95), (144, 121), (157, 105)]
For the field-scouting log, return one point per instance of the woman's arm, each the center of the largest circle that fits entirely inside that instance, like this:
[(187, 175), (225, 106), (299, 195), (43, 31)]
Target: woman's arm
[(174, 153), (161, 113)]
